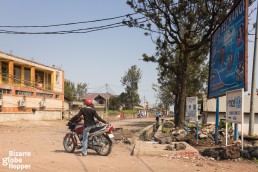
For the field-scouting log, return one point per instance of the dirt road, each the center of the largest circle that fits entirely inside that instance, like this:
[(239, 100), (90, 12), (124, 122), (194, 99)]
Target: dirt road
[(37, 146)]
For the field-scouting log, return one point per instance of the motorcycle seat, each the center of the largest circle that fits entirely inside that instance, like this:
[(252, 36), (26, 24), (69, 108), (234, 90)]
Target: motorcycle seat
[(96, 129)]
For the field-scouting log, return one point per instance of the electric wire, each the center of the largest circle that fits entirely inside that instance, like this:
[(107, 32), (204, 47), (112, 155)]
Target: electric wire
[(72, 23), (84, 30)]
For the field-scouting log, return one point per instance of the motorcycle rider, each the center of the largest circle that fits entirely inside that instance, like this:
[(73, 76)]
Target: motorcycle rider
[(89, 113)]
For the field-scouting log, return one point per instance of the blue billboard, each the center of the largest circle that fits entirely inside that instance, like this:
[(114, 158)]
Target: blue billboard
[(228, 54)]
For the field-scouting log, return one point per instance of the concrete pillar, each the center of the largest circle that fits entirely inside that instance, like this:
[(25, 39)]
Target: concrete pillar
[(10, 65), (32, 75), (22, 75)]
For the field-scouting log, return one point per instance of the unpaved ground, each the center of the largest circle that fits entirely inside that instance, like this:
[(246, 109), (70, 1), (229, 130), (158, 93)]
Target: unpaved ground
[(44, 141)]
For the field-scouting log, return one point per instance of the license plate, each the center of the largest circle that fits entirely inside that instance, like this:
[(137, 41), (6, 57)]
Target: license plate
[(111, 136)]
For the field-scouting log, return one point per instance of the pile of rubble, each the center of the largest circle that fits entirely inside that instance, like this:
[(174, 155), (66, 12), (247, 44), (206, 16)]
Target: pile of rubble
[(231, 152), (205, 139), (175, 146), (123, 136)]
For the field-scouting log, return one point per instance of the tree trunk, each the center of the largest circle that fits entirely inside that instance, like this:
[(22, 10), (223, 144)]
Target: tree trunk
[(181, 106), (182, 79), (176, 116)]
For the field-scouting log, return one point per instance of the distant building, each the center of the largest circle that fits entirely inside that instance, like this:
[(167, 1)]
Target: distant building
[(27, 86), (71, 107), (99, 99)]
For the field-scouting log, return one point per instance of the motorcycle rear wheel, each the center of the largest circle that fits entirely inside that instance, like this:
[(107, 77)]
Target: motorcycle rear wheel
[(68, 144), (106, 145)]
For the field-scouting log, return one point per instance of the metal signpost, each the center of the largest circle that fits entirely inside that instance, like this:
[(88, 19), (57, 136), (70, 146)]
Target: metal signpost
[(192, 112), (235, 111), (228, 56)]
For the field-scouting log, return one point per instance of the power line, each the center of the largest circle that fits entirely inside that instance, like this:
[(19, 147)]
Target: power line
[(60, 32), (110, 90), (72, 23), (85, 30), (98, 90)]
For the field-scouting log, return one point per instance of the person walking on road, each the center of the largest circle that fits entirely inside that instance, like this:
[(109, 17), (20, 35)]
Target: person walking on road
[(162, 118), (157, 119)]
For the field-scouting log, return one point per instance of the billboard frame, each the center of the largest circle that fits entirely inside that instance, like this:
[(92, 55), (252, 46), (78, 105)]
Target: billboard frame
[(245, 39)]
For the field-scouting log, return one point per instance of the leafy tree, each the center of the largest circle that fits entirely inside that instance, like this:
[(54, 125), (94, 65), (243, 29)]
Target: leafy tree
[(131, 80), (69, 89), (164, 95), (114, 103), (81, 90), (196, 80), (74, 92), (182, 43)]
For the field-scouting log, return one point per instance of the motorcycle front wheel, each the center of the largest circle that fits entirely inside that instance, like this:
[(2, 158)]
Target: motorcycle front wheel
[(68, 144), (105, 145)]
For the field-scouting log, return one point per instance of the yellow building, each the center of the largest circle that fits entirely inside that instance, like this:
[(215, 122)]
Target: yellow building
[(27, 86)]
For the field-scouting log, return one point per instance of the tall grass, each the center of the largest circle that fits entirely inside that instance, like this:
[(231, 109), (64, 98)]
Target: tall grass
[(112, 112)]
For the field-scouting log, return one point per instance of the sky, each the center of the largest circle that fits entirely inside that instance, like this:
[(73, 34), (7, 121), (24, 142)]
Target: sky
[(96, 58)]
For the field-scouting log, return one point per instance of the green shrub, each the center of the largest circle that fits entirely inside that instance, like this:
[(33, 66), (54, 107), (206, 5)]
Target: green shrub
[(165, 130), (191, 125), (112, 112), (222, 124), (129, 111)]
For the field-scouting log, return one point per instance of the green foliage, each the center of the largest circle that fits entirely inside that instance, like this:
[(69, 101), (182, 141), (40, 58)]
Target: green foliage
[(191, 125), (74, 92), (114, 112), (130, 111), (131, 80), (81, 90), (184, 28), (164, 95), (165, 130), (114, 103), (69, 89), (222, 124)]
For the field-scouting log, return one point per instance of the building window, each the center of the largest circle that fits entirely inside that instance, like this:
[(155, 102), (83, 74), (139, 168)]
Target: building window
[(5, 91), (39, 77), (17, 74), (44, 95), (48, 81), (5, 72), (27, 76), (23, 93), (58, 77), (57, 96)]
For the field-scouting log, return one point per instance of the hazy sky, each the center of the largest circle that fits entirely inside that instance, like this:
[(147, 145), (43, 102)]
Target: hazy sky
[(95, 58)]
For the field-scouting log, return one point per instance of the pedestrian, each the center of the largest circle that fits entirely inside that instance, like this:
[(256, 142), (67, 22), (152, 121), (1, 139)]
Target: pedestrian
[(162, 118), (157, 119), (142, 114)]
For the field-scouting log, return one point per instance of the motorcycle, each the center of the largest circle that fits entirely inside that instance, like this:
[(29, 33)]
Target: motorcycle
[(100, 138)]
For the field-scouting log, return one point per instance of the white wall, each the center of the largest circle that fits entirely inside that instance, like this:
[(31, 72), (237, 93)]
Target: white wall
[(210, 104), (212, 118), (38, 115), (12, 101)]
